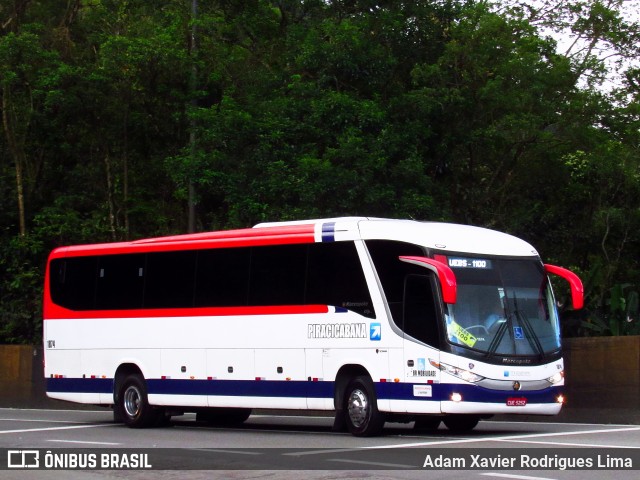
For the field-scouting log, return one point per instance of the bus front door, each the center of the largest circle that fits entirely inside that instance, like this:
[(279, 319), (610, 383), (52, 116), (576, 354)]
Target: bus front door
[(420, 327)]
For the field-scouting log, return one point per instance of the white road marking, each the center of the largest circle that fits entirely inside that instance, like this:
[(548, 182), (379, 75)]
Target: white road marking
[(515, 438), (374, 464), (576, 424), (506, 438), (38, 420), (509, 438), (225, 450), (49, 429), (326, 450), (518, 477), (84, 442), (567, 444), (52, 410)]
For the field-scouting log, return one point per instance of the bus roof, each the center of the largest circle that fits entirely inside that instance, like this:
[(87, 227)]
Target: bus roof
[(440, 236), (437, 235)]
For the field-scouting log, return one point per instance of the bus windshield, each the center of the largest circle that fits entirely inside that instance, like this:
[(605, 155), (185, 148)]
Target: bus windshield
[(504, 307)]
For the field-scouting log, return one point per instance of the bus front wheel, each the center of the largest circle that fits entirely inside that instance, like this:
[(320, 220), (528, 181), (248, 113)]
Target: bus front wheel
[(361, 409), (133, 405)]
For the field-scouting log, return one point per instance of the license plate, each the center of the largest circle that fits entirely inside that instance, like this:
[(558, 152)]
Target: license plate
[(516, 402)]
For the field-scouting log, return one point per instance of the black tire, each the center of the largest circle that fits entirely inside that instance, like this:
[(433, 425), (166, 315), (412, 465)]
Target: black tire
[(361, 408), (133, 406), (427, 423), (461, 423), (162, 419), (223, 417)]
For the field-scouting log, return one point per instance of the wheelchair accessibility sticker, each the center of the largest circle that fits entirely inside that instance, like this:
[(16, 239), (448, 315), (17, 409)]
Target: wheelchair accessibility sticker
[(518, 333)]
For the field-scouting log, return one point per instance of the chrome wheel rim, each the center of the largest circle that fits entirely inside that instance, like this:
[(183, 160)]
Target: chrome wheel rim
[(131, 401), (358, 408)]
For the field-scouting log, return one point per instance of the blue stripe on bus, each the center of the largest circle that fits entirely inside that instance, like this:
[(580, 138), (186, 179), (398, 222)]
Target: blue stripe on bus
[(80, 385), (469, 393), (328, 232), (301, 389), (242, 388)]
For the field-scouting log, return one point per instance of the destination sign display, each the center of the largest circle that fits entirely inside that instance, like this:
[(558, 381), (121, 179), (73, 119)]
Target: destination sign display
[(461, 262)]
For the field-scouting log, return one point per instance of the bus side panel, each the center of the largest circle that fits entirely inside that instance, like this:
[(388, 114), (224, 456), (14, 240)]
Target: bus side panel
[(179, 370), (280, 364), (61, 368), (424, 378), (231, 363), (401, 389), (335, 339), (315, 374), (286, 366), (375, 360)]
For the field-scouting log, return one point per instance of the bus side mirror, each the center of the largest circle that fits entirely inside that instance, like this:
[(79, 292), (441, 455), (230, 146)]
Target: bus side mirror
[(446, 277), (577, 290)]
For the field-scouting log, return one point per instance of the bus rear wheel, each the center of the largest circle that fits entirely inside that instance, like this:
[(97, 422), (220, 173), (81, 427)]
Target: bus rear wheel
[(133, 405), (361, 408)]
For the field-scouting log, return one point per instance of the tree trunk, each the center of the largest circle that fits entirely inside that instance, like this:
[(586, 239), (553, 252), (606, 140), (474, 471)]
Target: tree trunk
[(110, 202), (125, 174), (16, 149)]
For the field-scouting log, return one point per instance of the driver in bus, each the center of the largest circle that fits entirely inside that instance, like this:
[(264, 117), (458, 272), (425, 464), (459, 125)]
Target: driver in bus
[(495, 316)]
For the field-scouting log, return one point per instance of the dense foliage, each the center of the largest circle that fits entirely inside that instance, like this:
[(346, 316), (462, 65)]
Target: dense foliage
[(128, 119)]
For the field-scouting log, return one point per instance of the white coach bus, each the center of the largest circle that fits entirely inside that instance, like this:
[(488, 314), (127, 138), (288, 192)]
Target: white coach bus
[(379, 320)]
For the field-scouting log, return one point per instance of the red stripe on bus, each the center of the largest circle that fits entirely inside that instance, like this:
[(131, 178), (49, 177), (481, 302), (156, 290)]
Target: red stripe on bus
[(55, 312), (223, 239)]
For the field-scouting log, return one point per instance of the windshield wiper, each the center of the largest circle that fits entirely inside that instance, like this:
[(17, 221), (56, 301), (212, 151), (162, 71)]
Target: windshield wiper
[(493, 346), (532, 338)]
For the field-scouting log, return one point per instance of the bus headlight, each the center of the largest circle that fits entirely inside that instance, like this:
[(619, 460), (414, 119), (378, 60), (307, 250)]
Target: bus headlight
[(456, 397), (557, 378), (465, 375)]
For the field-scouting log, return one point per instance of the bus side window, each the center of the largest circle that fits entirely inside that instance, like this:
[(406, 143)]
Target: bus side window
[(392, 271), (419, 308), (277, 275), (335, 277), (222, 278), (73, 282), (170, 279), (120, 281)]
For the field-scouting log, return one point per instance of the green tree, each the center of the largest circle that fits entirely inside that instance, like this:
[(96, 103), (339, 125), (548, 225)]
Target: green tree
[(600, 37), (26, 70), (453, 110), (492, 102)]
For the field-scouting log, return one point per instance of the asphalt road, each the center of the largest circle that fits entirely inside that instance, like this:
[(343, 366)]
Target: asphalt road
[(279, 446)]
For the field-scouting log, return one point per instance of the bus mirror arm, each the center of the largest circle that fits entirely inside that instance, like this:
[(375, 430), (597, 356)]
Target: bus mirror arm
[(446, 277), (577, 290)]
